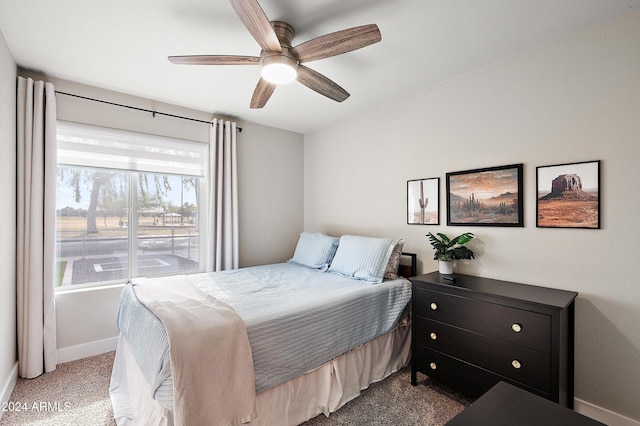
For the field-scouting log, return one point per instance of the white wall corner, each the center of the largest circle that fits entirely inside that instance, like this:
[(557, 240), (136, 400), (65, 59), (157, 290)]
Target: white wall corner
[(85, 350), (603, 415), (8, 385)]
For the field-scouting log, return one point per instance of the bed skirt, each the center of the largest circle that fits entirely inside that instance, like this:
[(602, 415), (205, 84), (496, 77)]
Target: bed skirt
[(322, 390)]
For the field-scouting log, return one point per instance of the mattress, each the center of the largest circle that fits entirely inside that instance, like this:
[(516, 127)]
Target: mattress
[(297, 318)]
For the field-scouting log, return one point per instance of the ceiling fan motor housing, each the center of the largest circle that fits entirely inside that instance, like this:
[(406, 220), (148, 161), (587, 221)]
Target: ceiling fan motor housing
[(280, 67)]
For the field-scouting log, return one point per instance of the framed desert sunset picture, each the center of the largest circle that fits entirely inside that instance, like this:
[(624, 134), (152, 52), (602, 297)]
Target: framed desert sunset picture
[(485, 197), (568, 195), (422, 201)]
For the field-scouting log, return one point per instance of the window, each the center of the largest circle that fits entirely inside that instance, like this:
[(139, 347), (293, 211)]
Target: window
[(127, 205)]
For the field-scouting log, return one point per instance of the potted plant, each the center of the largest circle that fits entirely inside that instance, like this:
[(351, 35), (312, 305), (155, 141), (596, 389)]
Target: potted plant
[(448, 250)]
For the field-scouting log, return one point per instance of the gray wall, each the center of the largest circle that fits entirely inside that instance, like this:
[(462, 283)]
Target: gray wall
[(8, 80), (270, 190), (270, 193), (577, 99)]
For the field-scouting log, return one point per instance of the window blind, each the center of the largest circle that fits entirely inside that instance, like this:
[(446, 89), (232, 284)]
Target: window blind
[(93, 146)]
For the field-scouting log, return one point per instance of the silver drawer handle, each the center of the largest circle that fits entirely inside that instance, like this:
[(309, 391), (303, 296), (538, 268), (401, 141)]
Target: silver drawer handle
[(433, 336), (432, 365), (516, 364), (516, 327), (434, 306)]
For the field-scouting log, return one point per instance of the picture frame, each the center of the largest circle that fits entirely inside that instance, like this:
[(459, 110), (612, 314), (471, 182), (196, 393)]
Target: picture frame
[(423, 197), (490, 196), (568, 195)]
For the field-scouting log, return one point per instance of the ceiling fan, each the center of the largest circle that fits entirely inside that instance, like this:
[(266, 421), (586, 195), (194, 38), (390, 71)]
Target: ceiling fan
[(281, 63)]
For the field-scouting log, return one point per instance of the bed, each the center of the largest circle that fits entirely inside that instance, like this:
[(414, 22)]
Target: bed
[(266, 345)]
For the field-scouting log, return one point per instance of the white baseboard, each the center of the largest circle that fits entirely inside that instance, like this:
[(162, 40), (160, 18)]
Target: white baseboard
[(7, 387), (602, 414), (85, 350)]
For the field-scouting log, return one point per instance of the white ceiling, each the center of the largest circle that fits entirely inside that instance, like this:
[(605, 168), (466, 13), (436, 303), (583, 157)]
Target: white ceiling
[(123, 45)]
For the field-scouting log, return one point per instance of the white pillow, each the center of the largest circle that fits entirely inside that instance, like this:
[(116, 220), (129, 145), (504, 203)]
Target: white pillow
[(362, 258), (315, 250)]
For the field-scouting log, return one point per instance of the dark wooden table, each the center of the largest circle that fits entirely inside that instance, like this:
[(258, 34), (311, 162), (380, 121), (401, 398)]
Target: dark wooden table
[(508, 405)]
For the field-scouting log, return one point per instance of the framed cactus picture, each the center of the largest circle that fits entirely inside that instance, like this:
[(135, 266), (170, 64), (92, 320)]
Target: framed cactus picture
[(568, 195), (486, 197), (423, 196)]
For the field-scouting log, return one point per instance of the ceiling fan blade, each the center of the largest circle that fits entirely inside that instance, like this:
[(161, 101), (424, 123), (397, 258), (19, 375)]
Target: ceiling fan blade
[(215, 60), (321, 84), (254, 18), (262, 93), (337, 43)]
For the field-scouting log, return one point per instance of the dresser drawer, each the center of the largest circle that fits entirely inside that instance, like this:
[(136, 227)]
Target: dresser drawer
[(515, 362), (472, 379), (521, 327)]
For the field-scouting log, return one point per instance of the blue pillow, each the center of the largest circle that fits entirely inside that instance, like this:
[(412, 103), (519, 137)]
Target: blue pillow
[(362, 258), (315, 250)]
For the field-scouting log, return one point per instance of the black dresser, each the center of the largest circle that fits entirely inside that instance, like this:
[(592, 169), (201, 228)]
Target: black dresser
[(475, 332)]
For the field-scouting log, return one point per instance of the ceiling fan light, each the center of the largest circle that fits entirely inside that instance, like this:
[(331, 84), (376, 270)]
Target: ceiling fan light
[(279, 69)]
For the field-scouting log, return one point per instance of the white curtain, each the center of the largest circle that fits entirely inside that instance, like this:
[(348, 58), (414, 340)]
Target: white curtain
[(36, 203), (223, 198)]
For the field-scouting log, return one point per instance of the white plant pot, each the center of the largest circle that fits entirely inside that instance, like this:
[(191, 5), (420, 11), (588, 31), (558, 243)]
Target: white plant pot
[(445, 267)]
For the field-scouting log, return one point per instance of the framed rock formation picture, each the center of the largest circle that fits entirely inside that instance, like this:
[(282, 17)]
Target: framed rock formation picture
[(568, 195), (486, 197), (422, 201)]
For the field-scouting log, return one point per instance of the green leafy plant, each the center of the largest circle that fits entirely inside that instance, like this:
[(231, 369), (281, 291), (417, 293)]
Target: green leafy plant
[(451, 249)]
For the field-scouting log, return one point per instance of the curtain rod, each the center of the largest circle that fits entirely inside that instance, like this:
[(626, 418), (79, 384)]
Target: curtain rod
[(138, 109)]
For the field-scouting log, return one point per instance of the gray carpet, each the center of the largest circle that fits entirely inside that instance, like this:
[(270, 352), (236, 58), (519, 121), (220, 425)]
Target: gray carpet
[(77, 393), (394, 401)]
